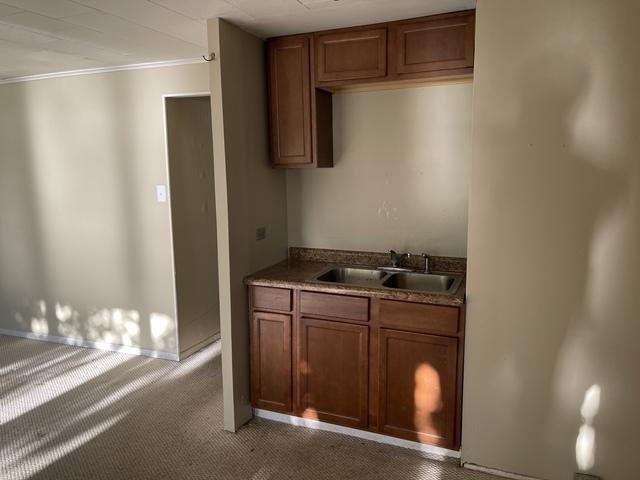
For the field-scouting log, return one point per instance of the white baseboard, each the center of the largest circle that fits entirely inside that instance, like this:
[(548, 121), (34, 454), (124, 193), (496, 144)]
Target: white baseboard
[(199, 346), (436, 452), (497, 473), (110, 347)]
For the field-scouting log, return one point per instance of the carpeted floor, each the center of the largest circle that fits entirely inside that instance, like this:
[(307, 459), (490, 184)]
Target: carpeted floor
[(74, 413)]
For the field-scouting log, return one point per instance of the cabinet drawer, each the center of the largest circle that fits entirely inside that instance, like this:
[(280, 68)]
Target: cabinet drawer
[(419, 317), (272, 298), (351, 55), (339, 306)]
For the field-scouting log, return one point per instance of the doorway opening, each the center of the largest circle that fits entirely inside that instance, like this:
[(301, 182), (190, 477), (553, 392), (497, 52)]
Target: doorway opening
[(189, 145)]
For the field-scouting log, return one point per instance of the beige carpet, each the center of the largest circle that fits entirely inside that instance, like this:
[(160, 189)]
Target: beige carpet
[(73, 413)]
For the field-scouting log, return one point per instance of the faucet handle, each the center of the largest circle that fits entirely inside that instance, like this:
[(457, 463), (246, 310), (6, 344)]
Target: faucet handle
[(426, 262)]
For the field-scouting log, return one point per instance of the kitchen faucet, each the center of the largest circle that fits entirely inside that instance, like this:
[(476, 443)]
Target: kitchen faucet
[(396, 258)]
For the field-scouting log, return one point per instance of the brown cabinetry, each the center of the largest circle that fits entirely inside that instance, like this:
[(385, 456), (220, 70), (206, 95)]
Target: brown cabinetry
[(440, 45), (418, 386), (337, 306), (269, 298), (419, 317), (353, 54), (300, 115), (290, 100), (387, 366), (271, 361), (332, 371), (305, 69)]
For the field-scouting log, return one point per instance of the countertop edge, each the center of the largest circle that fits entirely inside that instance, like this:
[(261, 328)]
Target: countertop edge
[(259, 279)]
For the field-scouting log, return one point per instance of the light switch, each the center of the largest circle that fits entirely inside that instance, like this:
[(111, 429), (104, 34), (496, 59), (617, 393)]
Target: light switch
[(161, 193)]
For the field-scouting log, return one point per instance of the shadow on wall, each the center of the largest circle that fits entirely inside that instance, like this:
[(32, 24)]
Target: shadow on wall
[(562, 199), (76, 209)]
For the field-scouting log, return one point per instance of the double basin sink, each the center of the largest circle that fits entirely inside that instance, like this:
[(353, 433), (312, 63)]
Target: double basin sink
[(446, 284)]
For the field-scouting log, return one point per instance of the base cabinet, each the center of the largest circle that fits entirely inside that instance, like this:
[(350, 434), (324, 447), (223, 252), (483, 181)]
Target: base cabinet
[(271, 361), (418, 386), (386, 366), (332, 371)]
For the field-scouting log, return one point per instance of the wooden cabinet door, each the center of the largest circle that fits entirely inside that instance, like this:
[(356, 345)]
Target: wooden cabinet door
[(441, 43), (351, 55), (418, 381), (271, 361), (333, 371), (290, 100)]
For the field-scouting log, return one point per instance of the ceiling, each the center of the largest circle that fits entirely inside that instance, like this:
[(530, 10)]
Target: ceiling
[(45, 36)]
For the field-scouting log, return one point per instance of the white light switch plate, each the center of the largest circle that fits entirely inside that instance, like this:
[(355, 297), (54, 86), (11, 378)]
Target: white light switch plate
[(161, 193)]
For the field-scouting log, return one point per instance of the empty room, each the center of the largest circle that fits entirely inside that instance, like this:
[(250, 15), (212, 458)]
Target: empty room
[(319, 239)]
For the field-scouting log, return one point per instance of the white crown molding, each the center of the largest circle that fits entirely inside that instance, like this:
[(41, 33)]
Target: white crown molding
[(93, 71), (109, 347)]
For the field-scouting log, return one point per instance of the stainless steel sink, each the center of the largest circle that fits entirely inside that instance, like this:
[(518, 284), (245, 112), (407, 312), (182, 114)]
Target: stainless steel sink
[(424, 282), (446, 284), (353, 276)]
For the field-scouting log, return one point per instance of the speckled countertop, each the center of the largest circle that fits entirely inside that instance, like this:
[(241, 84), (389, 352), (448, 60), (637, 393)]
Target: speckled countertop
[(304, 264)]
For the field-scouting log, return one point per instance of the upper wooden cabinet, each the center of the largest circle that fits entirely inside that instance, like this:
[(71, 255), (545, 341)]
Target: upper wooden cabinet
[(443, 43), (290, 100), (350, 55), (305, 69), (300, 115)]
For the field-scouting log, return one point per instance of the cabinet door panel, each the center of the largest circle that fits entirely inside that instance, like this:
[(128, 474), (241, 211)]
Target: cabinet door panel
[(430, 45), (290, 100), (333, 371), (351, 55), (418, 381), (271, 361)]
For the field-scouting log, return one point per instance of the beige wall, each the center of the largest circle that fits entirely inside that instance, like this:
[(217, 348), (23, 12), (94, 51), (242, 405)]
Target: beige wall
[(193, 214), (84, 247), (400, 179), (249, 194), (554, 240)]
